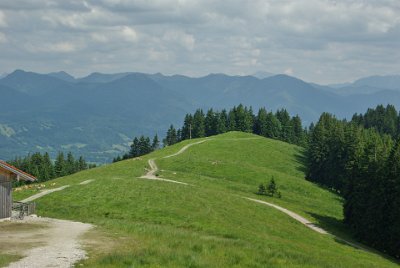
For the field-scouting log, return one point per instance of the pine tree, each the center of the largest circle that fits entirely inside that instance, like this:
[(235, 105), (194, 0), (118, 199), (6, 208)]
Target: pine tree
[(186, 132), (272, 188), (60, 166), (273, 127), (198, 128), (298, 132), (211, 123), (261, 125), (155, 145), (82, 164), (135, 148), (222, 125), (261, 189), (287, 128), (70, 164), (48, 168), (171, 137)]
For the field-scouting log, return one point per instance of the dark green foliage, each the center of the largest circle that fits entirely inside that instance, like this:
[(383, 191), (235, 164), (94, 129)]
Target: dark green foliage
[(155, 143), (43, 169), (171, 137), (358, 160), (287, 133), (384, 119), (60, 166), (272, 188), (211, 123), (198, 128), (261, 189), (142, 145), (186, 132), (242, 118)]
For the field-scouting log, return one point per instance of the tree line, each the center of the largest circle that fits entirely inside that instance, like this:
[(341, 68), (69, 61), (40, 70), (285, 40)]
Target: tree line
[(44, 169), (279, 125), (360, 159), (140, 146)]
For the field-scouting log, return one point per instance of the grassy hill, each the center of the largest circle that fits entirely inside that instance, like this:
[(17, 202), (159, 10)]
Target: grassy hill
[(207, 223)]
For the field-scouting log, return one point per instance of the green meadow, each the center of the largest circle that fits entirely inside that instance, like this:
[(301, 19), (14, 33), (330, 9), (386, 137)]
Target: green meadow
[(207, 223)]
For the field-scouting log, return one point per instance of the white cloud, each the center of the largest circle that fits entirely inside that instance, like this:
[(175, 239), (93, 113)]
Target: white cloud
[(129, 34), (181, 38), (3, 38), (3, 21), (60, 47), (98, 37), (288, 71)]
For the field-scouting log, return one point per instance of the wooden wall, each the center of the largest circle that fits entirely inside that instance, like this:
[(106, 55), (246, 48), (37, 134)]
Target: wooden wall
[(5, 194)]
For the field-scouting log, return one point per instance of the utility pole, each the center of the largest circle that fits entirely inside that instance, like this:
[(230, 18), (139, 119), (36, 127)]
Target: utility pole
[(190, 131)]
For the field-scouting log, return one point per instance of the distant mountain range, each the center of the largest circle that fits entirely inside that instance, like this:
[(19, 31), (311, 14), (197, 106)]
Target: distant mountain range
[(98, 115)]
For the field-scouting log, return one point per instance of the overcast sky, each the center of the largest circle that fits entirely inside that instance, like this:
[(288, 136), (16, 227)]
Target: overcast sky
[(315, 40)]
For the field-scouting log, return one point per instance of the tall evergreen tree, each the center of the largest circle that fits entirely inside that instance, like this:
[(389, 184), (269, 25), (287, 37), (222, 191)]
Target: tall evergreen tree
[(171, 137), (60, 167), (187, 127), (198, 130), (155, 143)]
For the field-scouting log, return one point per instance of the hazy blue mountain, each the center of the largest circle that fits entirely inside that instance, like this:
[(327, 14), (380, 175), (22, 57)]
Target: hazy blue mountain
[(33, 83), (63, 76), (102, 78), (368, 85), (339, 85), (383, 82), (98, 115), (262, 74)]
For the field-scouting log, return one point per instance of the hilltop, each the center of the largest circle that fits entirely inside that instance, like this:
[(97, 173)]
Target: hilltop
[(208, 222)]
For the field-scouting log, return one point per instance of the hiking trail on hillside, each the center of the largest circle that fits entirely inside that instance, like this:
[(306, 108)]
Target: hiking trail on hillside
[(151, 174)]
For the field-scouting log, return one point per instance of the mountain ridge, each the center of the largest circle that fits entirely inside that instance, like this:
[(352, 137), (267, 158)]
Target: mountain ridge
[(102, 110)]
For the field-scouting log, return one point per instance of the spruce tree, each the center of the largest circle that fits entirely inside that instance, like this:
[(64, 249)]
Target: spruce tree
[(198, 129), (155, 145), (272, 188), (60, 169)]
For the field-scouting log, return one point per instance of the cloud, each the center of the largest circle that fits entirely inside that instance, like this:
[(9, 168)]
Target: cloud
[(129, 34), (323, 40), (3, 22), (60, 47), (3, 38)]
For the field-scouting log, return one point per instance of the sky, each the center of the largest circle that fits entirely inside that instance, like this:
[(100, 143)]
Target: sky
[(322, 41)]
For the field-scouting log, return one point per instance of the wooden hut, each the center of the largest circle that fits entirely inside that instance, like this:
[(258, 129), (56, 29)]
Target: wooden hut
[(9, 173)]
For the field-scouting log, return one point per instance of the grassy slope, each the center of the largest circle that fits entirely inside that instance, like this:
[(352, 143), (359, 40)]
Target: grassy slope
[(208, 224)]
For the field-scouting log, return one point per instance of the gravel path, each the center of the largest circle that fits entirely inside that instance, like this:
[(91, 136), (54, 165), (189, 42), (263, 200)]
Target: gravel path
[(61, 248), (85, 182), (150, 175), (44, 192), (295, 216)]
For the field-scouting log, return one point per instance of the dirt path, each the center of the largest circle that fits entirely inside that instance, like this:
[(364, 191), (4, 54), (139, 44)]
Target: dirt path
[(150, 175), (184, 148), (85, 182), (295, 216), (44, 192), (59, 240), (310, 225)]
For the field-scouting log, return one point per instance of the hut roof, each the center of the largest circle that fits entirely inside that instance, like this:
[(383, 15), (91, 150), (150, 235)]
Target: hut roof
[(20, 173)]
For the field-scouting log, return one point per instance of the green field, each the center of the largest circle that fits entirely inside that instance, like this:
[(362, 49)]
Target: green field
[(207, 223)]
